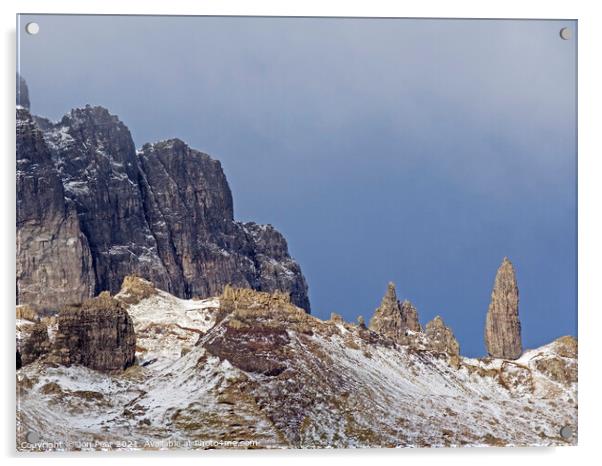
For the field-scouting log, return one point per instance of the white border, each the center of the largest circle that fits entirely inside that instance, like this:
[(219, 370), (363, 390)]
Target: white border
[(590, 180)]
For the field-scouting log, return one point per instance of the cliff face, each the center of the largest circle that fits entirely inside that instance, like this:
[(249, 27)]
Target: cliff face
[(96, 158), (54, 261), (22, 93), (164, 213), (189, 208), (502, 326)]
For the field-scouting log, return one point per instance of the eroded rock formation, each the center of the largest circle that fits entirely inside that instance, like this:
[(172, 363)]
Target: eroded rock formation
[(33, 342), (22, 93), (439, 337), (502, 326), (92, 210), (98, 334), (135, 289), (409, 317), (394, 319), (54, 263)]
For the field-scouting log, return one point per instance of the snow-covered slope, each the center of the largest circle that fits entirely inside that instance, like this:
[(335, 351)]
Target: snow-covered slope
[(255, 371)]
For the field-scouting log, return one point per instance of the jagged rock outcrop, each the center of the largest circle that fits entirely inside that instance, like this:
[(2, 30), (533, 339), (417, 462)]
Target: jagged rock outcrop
[(264, 370), (440, 338), (96, 158), (164, 214), (274, 267), (33, 342), (54, 262), (190, 211), (561, 364), (22, 93), (135, 289), (409, 317), (502, 326), (361, 322), (394, 319), (98, 334)]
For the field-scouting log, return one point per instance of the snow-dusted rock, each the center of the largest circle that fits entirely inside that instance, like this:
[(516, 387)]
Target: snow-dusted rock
[(394, 319), (92, 210), (258, 372)]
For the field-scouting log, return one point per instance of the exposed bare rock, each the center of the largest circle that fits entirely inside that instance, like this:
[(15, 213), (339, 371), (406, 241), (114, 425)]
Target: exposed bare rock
[(274, 267), (256, 331), (561, 364), (54, 264), (189, 208), (502, 327), (361, 322), (91, 210), (566, 347), (27, 312), (394, 319), (96, 158), (98, 334), (271, 373), (439, 337), (22, 92), (32, 342), (409, 317), (135, 289)]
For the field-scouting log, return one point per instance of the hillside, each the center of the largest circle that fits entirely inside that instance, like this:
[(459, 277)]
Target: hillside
[(250, 369)]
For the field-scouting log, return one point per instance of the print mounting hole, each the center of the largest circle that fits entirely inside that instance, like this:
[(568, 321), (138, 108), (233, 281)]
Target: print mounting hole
[(32, 28), (565, 34)]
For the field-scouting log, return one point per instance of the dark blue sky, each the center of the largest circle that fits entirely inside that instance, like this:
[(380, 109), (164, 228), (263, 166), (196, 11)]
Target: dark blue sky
[(415, 151)]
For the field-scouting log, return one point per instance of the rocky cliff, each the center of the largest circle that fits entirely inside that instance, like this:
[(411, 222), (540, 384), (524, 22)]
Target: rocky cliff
[(502, 325), (92, 210), (22, 93), (54, 261)]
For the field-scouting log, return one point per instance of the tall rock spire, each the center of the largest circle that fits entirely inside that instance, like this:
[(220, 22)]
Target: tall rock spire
[(502, 326), (409, 317), (393, 319)]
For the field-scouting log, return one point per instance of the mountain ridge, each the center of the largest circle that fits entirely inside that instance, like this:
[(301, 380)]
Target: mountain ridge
[(249, 366), (164, 212)]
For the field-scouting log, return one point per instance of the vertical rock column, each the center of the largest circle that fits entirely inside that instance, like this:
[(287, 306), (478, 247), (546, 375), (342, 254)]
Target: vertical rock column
[(393, 319), (502, 326)]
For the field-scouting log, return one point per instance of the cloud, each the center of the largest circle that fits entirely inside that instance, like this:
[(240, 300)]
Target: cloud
[(410, 150)]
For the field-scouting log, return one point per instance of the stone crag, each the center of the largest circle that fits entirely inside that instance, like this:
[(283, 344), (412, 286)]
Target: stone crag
[(32, 344), (54, 261), (502, 326), (394, 319), (441, 338), (98, 334), (92, 210), (399, 322)]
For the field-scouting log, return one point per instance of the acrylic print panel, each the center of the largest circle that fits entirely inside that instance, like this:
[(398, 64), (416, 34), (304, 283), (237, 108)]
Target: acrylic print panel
[(249, 232)]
